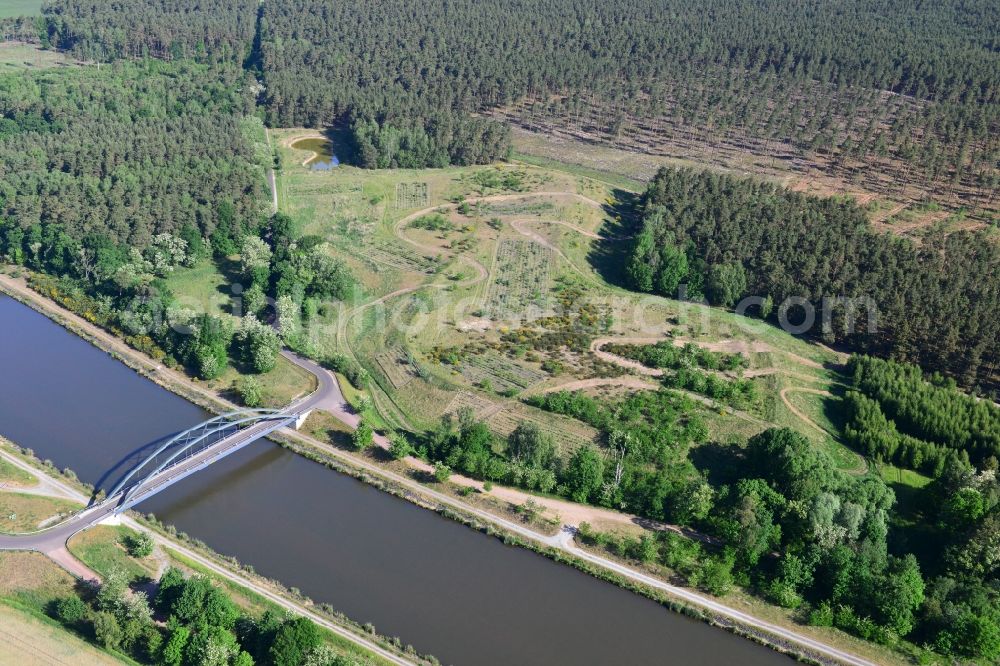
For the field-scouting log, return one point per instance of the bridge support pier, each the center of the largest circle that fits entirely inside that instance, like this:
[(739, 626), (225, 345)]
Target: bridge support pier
[(302, 419)]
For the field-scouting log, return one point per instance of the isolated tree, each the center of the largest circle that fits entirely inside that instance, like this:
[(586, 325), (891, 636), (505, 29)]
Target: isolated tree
[(294, 640), (529, 444), (363, 436), (442, 472), (585, 474), (251, 391), (139, 545), (399, 447)]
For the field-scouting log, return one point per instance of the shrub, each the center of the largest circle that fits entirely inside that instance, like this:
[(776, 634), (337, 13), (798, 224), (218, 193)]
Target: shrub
[(139, 545), (251, 391), (821, 616), (71, 610), (363, 437), (399, 446)]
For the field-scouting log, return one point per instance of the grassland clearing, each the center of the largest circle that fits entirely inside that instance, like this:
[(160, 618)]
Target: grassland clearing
[(102, 549), (21, 512), (20, 8), (16, 56), (451, 260), (32, 580), (29, 584), (279, 387), (27, 639), (202, 288), (12, 476)]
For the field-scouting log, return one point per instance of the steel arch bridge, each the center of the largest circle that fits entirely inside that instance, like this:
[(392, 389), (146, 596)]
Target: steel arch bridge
[(194, 449)]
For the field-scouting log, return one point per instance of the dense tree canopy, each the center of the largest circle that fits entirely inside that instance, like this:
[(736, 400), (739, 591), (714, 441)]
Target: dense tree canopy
[(932, 302), (171, 29), (127, 152), (814, 75), (895, 414)]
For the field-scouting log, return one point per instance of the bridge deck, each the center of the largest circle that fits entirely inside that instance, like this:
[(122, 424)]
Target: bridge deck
[(218, 450), (57, 535)]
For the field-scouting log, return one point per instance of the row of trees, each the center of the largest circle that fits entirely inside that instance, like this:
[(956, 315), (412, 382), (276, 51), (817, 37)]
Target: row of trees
[(684, 364), (191, 622), (932, 303), (895, 414)]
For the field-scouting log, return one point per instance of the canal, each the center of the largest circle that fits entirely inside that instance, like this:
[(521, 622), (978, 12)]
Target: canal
[(448, 590)]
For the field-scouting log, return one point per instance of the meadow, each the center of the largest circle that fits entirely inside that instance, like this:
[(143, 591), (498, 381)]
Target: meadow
[(20, 8), (464, 275)]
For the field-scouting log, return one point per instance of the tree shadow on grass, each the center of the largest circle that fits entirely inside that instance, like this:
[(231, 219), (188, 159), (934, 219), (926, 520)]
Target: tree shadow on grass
[(609, 255), (834, 407), (722, 463)]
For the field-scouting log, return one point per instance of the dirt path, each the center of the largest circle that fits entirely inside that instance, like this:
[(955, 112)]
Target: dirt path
[(888, 213), (628, 381), (271, 181), (596, 348), (794, 410), (766, 372), (517, 225)]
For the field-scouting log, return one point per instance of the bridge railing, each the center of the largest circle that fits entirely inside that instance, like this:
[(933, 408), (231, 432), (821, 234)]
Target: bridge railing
[(186, 443)]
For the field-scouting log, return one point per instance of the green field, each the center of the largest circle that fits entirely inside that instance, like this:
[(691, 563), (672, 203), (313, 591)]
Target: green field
[(13, 475), (101, 549), (20, 8), (439, 317), (20, 512), (202, 288), (15, 56)]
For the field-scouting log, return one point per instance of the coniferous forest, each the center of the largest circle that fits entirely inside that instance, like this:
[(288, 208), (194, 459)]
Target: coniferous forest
[(933, 302), (915, 89)]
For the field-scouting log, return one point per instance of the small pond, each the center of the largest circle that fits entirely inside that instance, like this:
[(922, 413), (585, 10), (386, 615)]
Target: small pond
[(323, 158)]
